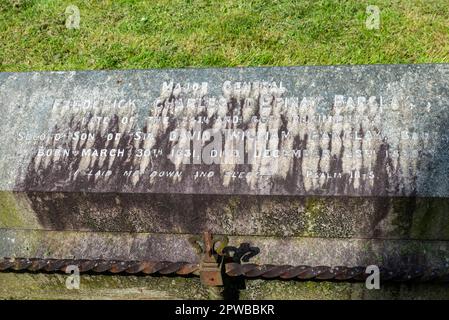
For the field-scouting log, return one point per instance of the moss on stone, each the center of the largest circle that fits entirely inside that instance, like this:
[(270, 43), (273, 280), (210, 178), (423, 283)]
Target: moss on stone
[(9, 215), (310, 290), (403, 210), (15, 211), (279, 289), (431, 219), (234, 203), (313, 209), (52, 286)]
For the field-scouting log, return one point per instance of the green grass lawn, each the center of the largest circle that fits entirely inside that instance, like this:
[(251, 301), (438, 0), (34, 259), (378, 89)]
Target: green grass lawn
[(125, 34)]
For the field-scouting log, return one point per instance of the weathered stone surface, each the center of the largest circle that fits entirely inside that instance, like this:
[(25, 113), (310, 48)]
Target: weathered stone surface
[(273, 250), (314, 251), (41, 286), (293, 290), (282, 216), (377, 130), (53, 286), (356, 173)]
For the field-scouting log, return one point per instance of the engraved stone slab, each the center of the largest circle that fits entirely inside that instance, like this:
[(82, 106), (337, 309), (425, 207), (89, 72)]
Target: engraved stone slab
[(379, 130)]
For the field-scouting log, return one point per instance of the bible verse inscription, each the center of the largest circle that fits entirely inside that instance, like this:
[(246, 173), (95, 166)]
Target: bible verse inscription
[(255, 136)]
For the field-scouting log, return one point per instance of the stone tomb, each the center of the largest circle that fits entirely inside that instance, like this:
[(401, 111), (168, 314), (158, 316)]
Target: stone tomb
[(301, 160), (338, 131)]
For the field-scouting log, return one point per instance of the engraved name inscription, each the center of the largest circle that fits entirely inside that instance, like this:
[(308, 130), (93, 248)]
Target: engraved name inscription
[(253, 136)]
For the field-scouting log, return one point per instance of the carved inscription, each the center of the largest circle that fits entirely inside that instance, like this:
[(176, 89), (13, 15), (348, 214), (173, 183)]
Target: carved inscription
[(249, 136)]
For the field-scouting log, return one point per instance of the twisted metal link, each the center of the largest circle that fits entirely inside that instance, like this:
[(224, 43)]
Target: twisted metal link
[(232, 269), (98, 266), (339, 273)]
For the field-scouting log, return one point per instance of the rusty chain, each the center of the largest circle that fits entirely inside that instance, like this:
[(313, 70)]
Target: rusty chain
[(232, 269)]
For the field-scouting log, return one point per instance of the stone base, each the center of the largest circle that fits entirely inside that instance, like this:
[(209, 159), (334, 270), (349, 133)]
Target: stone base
[(52, 286)]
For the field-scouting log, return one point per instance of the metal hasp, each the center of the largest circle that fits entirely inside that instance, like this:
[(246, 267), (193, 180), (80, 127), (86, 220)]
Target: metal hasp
[(211, 266)]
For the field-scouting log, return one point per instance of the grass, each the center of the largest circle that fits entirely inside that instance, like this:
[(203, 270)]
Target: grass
[(127, 34)]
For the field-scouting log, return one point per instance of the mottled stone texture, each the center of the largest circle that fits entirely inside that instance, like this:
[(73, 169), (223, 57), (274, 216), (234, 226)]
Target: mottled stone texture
[(388, 218), (272, 250), (312, 251), (339, 130), (344, 165), (52, 286), (93, 287)]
